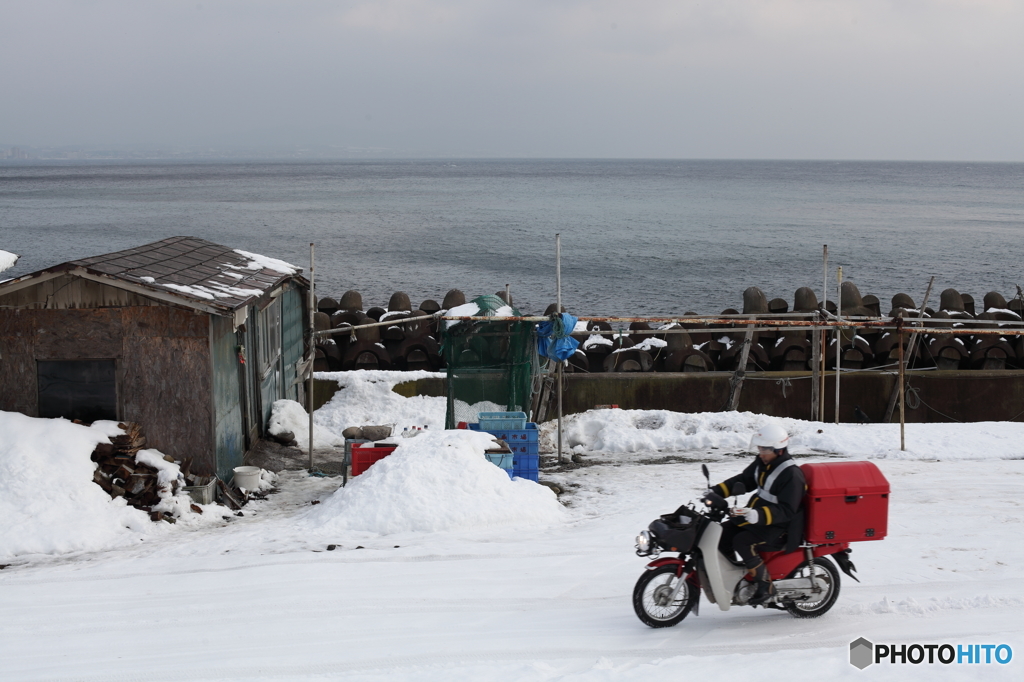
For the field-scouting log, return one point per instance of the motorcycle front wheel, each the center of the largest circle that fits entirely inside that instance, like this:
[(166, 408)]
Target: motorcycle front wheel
[(825, 571), (652, 597)]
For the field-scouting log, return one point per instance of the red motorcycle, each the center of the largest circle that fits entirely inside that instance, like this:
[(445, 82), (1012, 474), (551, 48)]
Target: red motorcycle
[(846, 502)]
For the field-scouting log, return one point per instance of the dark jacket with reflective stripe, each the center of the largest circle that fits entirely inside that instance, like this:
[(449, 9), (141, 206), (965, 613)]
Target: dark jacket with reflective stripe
[(784, 513)]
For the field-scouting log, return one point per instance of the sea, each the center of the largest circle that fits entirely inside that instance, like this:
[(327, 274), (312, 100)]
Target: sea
[(637, 237)]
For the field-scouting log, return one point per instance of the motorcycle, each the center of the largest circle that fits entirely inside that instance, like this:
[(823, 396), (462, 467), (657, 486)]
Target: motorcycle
[(806, 581)]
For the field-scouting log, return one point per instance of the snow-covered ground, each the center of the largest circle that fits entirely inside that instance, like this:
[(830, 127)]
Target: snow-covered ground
[(415, 590)]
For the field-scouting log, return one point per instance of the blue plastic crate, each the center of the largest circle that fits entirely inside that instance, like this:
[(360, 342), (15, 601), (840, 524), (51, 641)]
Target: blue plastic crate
[(526, 466), (501, 459), (524, 448), (528, 474), (512, 436), (491, 421)]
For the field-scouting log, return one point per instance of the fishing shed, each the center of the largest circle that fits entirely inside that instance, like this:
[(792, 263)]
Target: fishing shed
[(192, 340)]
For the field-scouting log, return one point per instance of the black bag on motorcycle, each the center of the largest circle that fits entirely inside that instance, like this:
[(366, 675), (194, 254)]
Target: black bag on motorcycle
[(675, 532)]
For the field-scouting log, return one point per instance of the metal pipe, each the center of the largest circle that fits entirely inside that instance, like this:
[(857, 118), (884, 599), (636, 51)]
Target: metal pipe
[(824, 334), (558, 311), (312, 349), (839, 332), (824, 345), (762, 325), (815, 378), (765, 324), (903, 370), (824, 279)]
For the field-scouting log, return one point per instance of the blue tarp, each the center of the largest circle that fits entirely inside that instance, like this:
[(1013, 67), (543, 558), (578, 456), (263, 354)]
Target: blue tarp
[(553, 340)]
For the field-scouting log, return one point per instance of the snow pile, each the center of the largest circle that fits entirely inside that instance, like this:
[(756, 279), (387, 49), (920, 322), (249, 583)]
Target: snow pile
[(288, 415), (643, 431), (48, 501), (437, 481), (365, 397), (7, 260)]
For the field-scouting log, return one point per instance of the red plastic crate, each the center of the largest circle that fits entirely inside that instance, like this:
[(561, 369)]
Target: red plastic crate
[(846, 502), (363, 456)]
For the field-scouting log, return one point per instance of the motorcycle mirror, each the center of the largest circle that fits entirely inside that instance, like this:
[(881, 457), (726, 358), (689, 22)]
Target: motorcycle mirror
[(707, 475), (739, 489)]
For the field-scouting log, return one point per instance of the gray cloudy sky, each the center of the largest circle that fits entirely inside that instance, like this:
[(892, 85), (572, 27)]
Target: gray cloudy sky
[(854, 79)]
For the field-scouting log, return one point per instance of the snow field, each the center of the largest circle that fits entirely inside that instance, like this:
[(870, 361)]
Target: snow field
[(418, 589), (261, 600)]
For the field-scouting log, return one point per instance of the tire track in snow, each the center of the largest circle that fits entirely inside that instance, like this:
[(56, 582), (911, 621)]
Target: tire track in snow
[(398, 662), (13, 581)]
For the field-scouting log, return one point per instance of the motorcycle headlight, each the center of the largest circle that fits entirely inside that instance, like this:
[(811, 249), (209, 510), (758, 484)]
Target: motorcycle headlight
[(643, 541)]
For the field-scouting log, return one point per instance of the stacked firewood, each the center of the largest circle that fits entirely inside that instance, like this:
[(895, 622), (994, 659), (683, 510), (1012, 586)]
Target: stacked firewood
[(121, 475)]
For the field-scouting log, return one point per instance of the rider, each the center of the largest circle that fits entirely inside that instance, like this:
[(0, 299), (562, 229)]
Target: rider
[(775, 516)]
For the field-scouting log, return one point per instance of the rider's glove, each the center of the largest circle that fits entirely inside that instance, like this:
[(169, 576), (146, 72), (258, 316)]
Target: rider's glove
[(751, 516)]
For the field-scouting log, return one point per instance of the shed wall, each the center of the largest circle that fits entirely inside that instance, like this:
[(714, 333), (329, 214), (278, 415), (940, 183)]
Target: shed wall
[(69, 291), (163, 365)]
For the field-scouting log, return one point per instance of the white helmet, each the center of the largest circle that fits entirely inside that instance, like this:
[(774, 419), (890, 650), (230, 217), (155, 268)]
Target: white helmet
[(771, 435)]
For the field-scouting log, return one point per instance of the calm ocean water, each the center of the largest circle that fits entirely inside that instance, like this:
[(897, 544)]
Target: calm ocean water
[(638, 237)]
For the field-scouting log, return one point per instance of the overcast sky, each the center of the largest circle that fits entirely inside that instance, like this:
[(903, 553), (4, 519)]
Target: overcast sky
[(852, 79)]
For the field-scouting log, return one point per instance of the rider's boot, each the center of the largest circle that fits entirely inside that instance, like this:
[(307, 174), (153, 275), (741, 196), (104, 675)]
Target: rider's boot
[(765, 589)]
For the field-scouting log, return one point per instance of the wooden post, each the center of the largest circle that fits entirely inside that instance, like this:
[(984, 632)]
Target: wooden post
[(741, 370), (903, 369)]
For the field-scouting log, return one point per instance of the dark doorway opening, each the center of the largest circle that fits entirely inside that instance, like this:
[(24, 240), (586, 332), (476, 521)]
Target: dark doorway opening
[(77, 389)]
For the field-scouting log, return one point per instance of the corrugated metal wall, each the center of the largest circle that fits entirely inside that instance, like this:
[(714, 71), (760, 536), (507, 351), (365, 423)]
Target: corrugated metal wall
[(227, 391), (293, 328)]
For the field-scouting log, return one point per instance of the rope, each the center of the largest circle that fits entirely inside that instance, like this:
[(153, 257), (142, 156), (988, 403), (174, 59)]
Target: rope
[(914, 401), (784, 382)]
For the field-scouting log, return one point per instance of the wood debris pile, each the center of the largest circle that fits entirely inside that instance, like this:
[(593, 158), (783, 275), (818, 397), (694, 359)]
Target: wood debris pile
[(120, 474)]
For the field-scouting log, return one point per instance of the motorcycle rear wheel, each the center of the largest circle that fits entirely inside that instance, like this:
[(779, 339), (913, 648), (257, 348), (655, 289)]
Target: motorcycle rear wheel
[(829, 574), (651, 594)]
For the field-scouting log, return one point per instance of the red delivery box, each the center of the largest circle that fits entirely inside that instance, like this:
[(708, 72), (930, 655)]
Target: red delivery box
[(845, 502)]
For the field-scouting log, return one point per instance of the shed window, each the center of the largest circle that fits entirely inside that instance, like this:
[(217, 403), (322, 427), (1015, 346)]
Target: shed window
[(270, 335), (77, 389)]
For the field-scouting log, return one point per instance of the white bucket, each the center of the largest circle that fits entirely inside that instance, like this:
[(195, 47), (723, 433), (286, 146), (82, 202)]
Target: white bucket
[(247, 477)]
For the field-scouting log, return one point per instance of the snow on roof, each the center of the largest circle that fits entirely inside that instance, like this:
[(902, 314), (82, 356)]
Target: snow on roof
[(7, 260), (258, 262), (195, 269)]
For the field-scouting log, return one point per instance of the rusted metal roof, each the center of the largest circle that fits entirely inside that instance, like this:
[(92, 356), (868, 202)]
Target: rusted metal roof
[(191, 270)]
